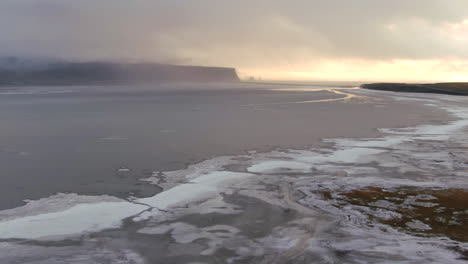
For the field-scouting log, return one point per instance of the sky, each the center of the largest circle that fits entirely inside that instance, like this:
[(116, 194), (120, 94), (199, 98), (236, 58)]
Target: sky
[(348, 40)]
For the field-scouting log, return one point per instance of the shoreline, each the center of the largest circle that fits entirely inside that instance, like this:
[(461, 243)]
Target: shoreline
[(304, 126), (260, 171)]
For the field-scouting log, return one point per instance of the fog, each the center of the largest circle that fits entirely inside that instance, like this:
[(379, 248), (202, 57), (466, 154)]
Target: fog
[(258, 37)]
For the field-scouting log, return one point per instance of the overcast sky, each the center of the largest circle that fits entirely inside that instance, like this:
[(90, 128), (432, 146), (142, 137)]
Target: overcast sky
[(273, 39)]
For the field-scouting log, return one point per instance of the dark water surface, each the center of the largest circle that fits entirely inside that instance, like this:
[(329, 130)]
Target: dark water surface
[(76, 139)]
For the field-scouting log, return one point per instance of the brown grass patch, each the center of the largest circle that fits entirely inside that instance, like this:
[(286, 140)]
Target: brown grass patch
[(444, 212)]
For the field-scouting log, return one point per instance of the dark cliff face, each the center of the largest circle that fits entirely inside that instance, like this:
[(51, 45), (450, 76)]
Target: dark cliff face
[(62, 73), (440, 88)]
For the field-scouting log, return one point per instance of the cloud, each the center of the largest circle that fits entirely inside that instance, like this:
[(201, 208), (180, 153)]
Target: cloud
[(244, 34)]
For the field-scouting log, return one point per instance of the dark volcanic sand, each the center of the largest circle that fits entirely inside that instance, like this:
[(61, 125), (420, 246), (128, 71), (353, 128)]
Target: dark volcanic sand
[(77, 140)]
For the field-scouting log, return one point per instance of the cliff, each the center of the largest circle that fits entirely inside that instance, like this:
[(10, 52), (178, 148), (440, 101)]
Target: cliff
[(64, 73)]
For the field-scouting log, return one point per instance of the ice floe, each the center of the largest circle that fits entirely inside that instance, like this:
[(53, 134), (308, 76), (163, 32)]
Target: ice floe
[(92, 217), (202, 187), (73, 221)]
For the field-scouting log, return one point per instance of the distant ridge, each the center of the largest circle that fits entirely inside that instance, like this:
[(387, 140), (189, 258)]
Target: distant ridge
[(454, 88), (14, 72)]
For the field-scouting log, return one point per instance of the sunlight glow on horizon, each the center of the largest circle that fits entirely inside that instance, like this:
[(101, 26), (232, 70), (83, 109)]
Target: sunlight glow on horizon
[(448, 70)]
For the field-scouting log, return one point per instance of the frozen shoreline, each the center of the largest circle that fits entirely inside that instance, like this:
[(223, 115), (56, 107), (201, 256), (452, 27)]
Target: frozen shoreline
[(299, 177)]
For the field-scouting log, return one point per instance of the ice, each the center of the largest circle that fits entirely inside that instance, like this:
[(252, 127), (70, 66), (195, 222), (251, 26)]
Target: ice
[(213, 237), (202, 187), (185, 233), (389, 246), (418, 225), (309, 181), (437, 132), (93, 217), (272, 166), (385, 142), (55, 203), (81, 218), (305, 163), (91, 253), (353, 155), (123, 169)]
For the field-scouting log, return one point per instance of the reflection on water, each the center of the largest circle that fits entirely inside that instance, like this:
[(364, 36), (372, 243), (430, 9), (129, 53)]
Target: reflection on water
[(78, 137), (345, 96)]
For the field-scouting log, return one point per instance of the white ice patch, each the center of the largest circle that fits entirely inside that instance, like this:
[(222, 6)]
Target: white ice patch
[(93, 217), (305, 162), (55, 203), (81, 218), (174, 178), (202, 187), (352, 155), (385, 142), (123, 169), (418, 225), (280, 166), (436, 132)]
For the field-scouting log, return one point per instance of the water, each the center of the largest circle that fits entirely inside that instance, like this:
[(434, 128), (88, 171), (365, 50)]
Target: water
[(310, 178), (76, 139)]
